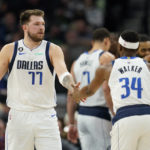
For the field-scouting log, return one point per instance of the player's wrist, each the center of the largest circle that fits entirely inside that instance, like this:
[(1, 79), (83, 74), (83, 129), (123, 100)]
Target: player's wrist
[(67, 81), (72, 125)]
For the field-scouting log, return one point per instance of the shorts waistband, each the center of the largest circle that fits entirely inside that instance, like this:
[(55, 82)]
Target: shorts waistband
[(132, 110), (97, 111)]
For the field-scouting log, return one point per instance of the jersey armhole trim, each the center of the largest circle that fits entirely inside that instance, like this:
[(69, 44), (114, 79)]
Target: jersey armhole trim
[(101, 53), (145, 61), (14, 56), (48, 58), (113, 62)]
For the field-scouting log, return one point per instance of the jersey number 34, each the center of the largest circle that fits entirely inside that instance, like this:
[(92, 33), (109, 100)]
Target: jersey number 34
[(129, 85)]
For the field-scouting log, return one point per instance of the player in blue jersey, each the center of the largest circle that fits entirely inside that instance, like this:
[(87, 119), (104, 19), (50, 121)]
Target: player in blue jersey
[(32, 63), (129, 82)]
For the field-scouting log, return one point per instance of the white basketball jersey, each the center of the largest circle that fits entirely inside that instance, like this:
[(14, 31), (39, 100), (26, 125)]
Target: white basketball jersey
[(84, 70), (129, 82), (31, 80)]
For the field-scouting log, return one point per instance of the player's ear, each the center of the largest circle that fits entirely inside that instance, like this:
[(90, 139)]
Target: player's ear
[(24, 27), (106, 40)]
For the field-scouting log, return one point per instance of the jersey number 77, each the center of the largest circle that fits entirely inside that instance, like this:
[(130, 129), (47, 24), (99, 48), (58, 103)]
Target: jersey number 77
[(35, 74)]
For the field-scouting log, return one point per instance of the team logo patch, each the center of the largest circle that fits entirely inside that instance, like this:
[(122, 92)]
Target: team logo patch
[(22, 53), (53, 115), (20, 49)]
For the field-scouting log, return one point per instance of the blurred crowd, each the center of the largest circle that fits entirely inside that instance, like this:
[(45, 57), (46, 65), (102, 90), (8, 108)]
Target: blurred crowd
[(70, 23)]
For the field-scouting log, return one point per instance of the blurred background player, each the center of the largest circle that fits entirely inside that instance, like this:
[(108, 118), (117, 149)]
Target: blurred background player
[(144, 49), (94, 121), (2, 134), (129, 82)]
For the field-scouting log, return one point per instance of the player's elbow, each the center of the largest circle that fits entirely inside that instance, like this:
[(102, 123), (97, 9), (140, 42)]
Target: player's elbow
[(106, 89)]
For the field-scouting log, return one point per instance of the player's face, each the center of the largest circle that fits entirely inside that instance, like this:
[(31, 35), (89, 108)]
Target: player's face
[(144, 49), (36, 28)]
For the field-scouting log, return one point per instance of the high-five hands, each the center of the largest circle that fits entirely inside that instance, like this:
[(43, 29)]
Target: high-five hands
[(76, 95)]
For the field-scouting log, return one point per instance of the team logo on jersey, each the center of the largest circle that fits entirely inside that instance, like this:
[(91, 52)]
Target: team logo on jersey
[(22, 53), (53, 115), (20, 49)]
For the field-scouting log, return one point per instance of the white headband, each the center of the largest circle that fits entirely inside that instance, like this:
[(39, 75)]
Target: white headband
[(128, 45)]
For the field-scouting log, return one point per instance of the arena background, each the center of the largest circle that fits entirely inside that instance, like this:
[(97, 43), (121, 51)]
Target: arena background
[(69, 23)]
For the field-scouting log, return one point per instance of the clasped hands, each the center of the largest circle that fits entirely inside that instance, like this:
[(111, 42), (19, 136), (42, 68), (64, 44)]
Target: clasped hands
[(76, 94)]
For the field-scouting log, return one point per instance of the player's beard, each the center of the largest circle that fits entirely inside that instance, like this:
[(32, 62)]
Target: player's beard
[(35, 37)]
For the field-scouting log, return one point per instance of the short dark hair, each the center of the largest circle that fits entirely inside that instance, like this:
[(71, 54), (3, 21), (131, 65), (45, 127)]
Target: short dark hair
[(130, 36), (144, 38), (100, 34), (25, 15)]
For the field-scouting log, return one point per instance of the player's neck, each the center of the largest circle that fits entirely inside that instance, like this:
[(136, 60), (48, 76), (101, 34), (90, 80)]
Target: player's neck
[(97, 46), (128, 54), (31, 44)]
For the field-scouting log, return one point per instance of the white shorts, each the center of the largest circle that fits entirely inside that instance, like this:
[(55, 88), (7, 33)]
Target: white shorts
[(131, 133), (94, 132), (26, 130)]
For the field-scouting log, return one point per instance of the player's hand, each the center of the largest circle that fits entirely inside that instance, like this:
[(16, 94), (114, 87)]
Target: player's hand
[(72, 134), (76, 93)]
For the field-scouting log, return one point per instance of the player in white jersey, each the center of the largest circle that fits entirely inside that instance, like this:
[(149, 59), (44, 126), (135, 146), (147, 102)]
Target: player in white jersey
[(32, 63), (129, 82), (94, 121)]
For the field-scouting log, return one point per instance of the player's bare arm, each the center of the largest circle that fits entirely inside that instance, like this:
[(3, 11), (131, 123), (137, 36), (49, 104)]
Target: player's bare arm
[(108, 97), (71, 108), (106, 58), (102, 74), (5, 58), (72, 134), (57, 59), (71, 105)]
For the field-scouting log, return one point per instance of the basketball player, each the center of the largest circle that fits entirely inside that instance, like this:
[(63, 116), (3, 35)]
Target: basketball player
[(129, 82), (32, 63), (94, 121), (144, 49)]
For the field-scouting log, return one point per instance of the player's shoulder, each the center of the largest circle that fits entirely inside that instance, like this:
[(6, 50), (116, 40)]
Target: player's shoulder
[(106, 58), (7, 50), (9, 45), (55, 46), (82, 56), (105, 70), (55, 49), (108, 55)]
